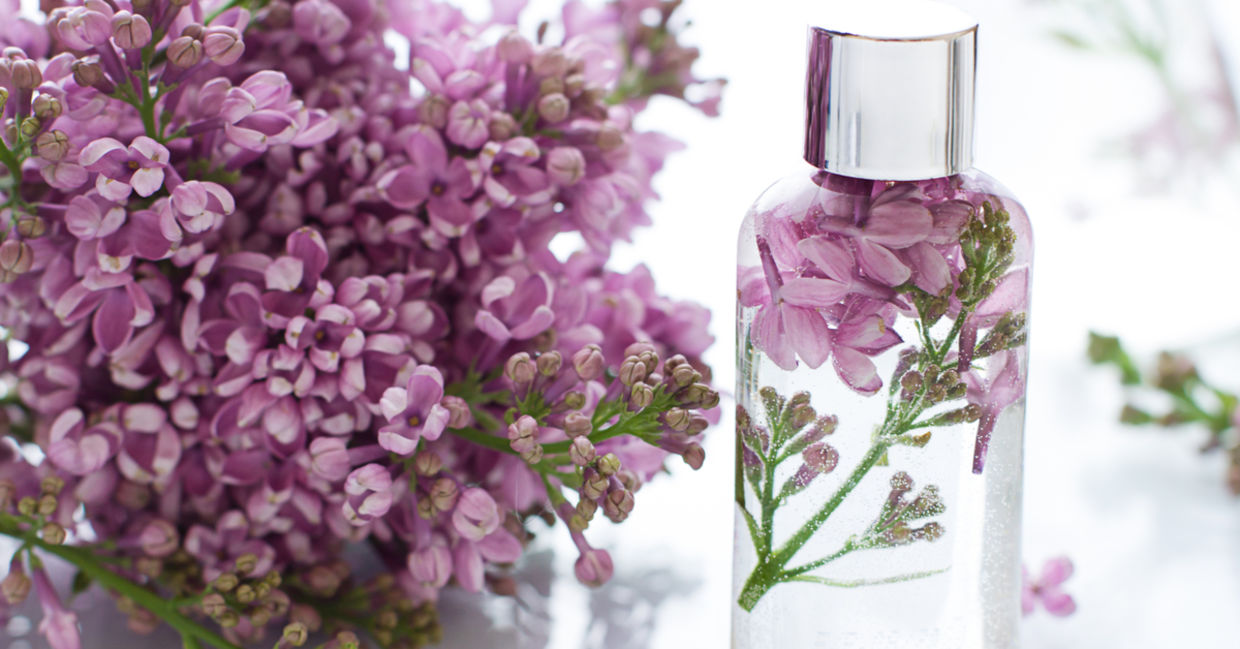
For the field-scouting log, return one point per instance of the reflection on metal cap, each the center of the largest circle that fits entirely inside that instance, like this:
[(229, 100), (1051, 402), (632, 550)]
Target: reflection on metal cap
[(889, 91)]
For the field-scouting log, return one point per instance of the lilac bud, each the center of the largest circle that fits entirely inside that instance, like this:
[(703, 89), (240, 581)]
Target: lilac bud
[(901, 482), (550, 85), (52, 145), (554, 108), (30, 126), (427, 463), (149, 566), (246, 563), (549, 363), (694, 455), (697, 424), (51, 485), (581, 451), (296, 633), (245, 594), (640, 396), (276, 15), (589, 362), (53, 533), (16, 586), (593, 484), (433, 111), (323, 581), (575, 400), (618, 504), (184, 52), (16, 258), (638, 348), (132, 495), (502, 126), (89, 74), (929, 532), (515, 48), (159, 538), (523, 433), (520, 369), (549, 63), (130, 32), (632, 370), (534, 455), (347, 640), (7, 491), (677, 419), (594, 567), (577, 424), (609, 464), (46, 107), (307, 615), (699, 394), (444, 493), (822, 458), (25, 74), (459, 415), (629, 480), (566, 165), (213, 604), (573, 84), (425, 509), (223, 45), (586, 509), (609, 138), (194, 31)]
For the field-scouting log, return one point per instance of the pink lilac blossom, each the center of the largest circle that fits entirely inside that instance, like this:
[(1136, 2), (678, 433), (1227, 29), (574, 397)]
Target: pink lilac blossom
[(270, 279), (835, 275), (1047, 588)]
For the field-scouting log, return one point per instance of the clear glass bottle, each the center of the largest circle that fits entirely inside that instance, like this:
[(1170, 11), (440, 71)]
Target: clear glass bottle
[(881, 356)]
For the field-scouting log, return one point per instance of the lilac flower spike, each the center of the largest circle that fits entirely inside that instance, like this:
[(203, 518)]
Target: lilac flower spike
[(414, 412), (255, 251), (138, 167)]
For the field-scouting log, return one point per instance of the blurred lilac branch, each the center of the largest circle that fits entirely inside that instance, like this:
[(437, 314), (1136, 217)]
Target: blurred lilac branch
[(1201, 121), (1194, 401)]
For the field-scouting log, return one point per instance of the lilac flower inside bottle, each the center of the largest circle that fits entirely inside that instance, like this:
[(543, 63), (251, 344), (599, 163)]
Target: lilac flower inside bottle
[(882, 313)]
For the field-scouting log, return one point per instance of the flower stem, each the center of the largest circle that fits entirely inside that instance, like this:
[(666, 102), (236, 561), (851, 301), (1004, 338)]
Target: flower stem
[(190, 630), (793, 544), (857, 583), (10, 161)]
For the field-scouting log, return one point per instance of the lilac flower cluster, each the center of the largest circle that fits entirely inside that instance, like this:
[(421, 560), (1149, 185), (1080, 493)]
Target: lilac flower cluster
[(281, 292), (834, 278)]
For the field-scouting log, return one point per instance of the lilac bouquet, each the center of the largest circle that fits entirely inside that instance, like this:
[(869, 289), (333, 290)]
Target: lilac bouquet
[(271, 292)]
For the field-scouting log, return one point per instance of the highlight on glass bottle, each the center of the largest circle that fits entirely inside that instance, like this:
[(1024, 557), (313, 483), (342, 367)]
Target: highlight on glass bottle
[(881, 354)]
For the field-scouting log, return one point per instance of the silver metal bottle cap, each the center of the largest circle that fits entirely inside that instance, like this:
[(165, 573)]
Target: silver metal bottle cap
[(889, 90)]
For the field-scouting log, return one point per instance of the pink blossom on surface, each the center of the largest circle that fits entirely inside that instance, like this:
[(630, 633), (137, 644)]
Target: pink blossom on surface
[(1047, 588)]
